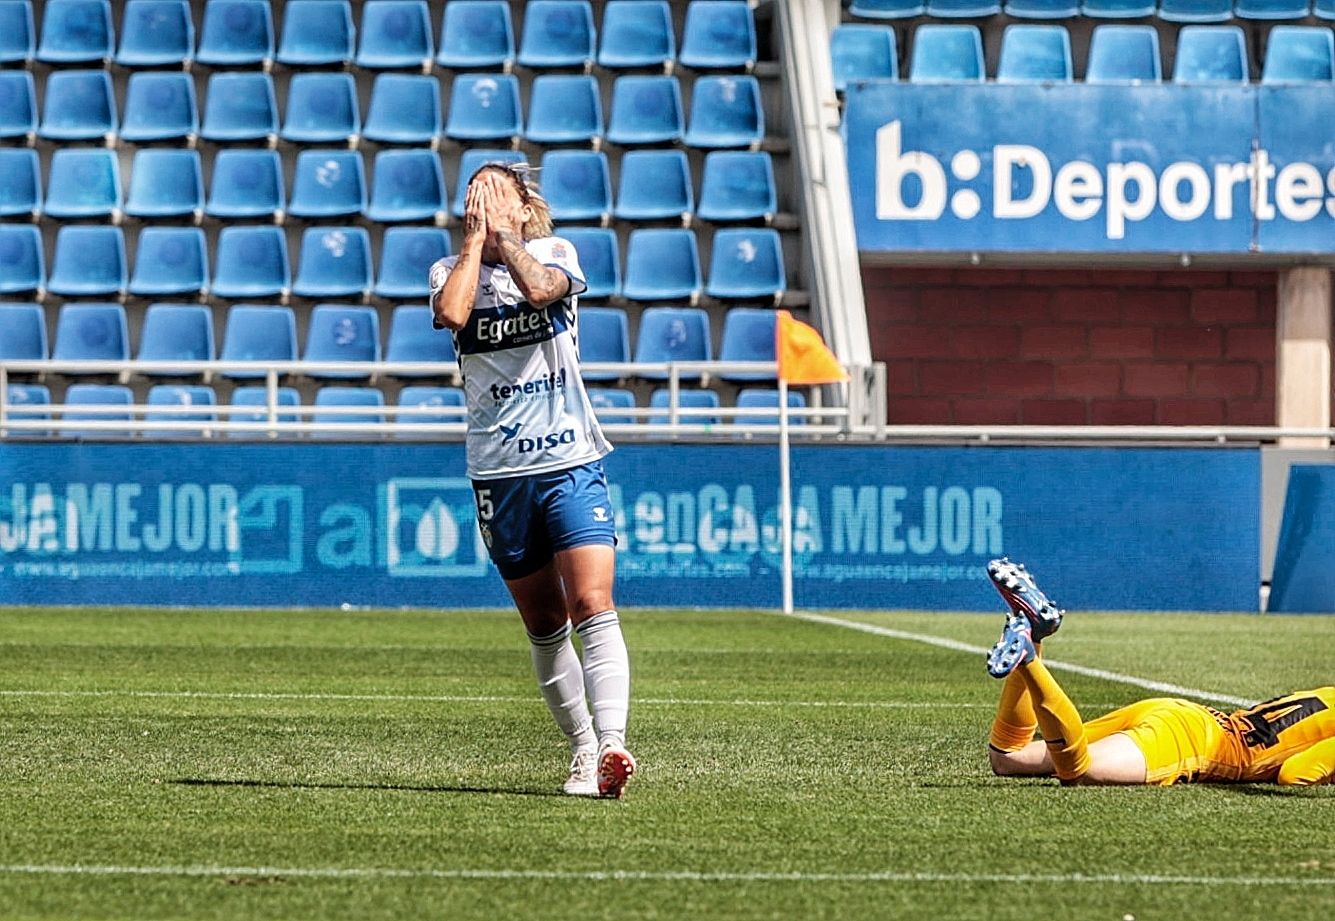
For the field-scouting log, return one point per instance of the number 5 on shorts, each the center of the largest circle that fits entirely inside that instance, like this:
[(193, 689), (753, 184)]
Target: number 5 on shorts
[(484, 507)]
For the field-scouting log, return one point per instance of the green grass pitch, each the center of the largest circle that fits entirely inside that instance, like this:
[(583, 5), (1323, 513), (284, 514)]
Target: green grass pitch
[(369, 765)]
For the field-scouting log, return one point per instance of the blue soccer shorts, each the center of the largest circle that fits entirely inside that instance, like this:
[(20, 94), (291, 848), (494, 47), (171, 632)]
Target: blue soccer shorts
[(525, 520)]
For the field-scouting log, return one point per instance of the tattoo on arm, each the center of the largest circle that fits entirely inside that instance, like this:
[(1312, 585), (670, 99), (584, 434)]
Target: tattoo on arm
[(540, 284)]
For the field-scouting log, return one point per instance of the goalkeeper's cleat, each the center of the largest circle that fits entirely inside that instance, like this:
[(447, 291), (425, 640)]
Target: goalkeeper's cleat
[(583, 779), (1015, 647), (616, 767), (1023, 596)]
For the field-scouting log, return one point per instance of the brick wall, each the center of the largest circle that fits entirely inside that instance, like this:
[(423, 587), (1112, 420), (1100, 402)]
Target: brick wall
[(1060, 347)]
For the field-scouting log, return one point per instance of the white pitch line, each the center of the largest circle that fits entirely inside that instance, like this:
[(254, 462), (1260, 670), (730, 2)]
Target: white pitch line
[(684, 876), (1149, 684)]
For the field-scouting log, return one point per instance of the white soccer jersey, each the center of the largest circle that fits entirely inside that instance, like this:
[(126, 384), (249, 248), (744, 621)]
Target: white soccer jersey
[(527, 409)]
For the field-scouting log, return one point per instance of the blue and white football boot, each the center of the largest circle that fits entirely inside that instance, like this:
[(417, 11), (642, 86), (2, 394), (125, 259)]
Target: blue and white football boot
[(1015, 647), (1024, 597)]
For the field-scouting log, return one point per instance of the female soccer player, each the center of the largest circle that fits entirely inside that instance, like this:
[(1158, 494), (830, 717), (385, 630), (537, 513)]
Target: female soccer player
[(1289, 740), (534, 455)]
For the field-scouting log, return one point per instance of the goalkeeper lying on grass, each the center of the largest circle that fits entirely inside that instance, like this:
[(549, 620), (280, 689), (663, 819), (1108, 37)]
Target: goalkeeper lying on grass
[(1289, 740)]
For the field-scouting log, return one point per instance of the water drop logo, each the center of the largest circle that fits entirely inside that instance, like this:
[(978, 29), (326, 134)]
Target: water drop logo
[(430, 528), (437, 532)]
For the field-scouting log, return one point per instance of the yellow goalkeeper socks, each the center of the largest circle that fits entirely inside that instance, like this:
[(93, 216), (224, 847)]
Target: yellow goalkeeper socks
[(1014, 725), (1063, 730)]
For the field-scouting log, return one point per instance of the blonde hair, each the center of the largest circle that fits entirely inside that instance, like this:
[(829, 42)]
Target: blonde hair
[(522, 174)]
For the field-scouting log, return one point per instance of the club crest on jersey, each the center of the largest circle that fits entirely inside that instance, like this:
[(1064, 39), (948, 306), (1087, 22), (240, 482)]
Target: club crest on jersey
[(438, 275)]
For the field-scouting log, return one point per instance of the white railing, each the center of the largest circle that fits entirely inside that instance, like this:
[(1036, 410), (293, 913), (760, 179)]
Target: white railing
[(860, 415)]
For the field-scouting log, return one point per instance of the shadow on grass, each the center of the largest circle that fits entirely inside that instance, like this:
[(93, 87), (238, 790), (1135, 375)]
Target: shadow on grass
[(404, 788), (1258, 789)]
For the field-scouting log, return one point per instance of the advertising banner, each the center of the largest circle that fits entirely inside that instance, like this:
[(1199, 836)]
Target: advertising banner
[(394, 525), (1081, 168)]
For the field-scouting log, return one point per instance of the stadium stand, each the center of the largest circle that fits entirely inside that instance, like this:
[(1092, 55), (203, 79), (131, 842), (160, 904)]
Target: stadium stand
[(1035, 54), (403, 253), (673, 334), (407, 185), (599, 257), (251, 262), (577, 185), (91, 332), (411, 339), (557, 33), (404, 109), (22, 263), (156, 33), (321, 109), (662, 265), (747, 264), (22, 332), (18, 105), (98, 395), (646, 109), (76, 32), (661, 399), (860, 51), (946, 53), (79, 106), (160, 107), (604, 399), (738, 186), (748, 335), (259, 397), (886, 9), (1299, 54), (485, 107), (604, 336), (636, 34), (328, 184), (335, 262), (331, 400), (236, 33), (89, 262), (267, 333), (83, 183), (768, 398), (655, 185), (726, 111), (176, 332), (342, 334), (1210, 54), (180, 395), (166, 183), (170, 261), (20, 183), (719, 34), (445, 401), (395, 34), (240, 106), (18, 38), (476, 34), (246, 184), (317, 32), (564, 109), (1121, 54)]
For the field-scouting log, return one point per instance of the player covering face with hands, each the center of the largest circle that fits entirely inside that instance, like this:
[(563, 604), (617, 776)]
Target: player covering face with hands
[(1288, 740), (535, 459)]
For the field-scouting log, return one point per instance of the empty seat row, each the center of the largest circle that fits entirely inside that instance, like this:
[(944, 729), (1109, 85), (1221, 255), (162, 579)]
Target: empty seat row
[(338, 333), (322, 108), (1117, 54), (336, 262), (408, 185), (1168, 10), (393, 34), (610, 404)]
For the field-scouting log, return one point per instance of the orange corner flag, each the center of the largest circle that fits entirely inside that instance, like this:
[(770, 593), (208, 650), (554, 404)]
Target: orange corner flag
[(803, 356)]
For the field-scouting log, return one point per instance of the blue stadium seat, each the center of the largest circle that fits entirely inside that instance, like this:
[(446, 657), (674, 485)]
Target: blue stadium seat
[(250, 262), (606, 400), (887, 9), (369, 398), (688, 400), (1117, 9), (726, 111), (258, 334), (169, 260), (1272, 9), (747, 263), (718, 34), (738, 185), (22, 263), (1210, 54), (406, 253), (1043, 9), (636, 33), (1198, 11), (662, 265), (604, 336), (335, 262), (1124, 54), (321, 107), (577, 184), (97, 395), (669, 334), (962, 9), (247, 183), (18, 38), (20, 183), (484, 107), (655, 185), (176, 332), (444, 401), (472, 160), (88, 262), (861, 51), (91, 332), (165, 182), (408, 185), (947, 54), (259, 397), (193, 395), (328, 184), (1323, 9), (76, 32), (241, 106), (316, 32), (1299, 54), (22, 332), (599, 260), (79, 106), (28, 395), (646, 109), (395, 34), (404, 109), (767, 398), (564, 109), (160, 107), (748, 335), (155, 33), (476, 33), (412, 338), (236, 33), (557, 33), (336, 334), (1035, 54), (18, 104)]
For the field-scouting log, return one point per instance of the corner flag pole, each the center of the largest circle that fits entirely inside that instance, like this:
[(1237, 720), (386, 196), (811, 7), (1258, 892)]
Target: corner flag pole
[(785, 499)]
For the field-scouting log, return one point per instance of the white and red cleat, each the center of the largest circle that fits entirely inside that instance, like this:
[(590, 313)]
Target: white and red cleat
[(616, 767)]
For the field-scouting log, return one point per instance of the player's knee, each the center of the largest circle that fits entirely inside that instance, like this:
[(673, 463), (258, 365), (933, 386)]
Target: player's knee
[(586, 604)]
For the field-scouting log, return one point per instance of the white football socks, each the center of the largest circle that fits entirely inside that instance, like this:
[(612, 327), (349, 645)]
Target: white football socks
[(561, 682), (606, 676)]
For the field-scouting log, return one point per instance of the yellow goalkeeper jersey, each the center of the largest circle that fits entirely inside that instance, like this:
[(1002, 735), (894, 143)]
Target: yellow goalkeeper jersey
[(1290, 739)]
